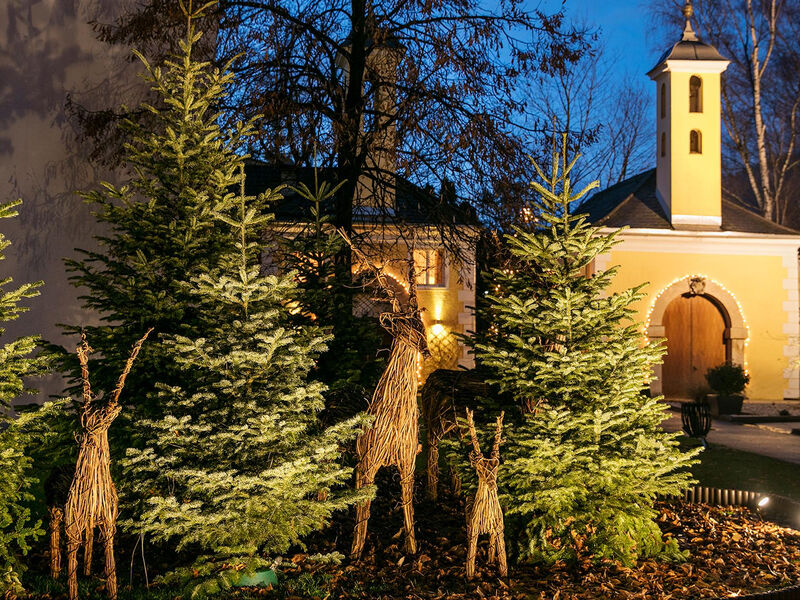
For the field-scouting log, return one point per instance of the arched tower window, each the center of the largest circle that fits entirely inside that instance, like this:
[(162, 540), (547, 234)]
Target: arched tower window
[(663, 100), (695, 94), (695, 142), (663, 144)]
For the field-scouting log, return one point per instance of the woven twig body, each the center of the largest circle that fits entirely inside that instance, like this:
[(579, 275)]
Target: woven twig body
[(392, 438), (92, 500), (484, 514)]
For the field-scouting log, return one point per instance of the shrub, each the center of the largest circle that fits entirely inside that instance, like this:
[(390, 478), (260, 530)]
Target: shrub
[(727, 379)]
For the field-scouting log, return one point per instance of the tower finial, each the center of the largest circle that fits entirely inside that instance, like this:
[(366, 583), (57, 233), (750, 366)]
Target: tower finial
[(688, 33)]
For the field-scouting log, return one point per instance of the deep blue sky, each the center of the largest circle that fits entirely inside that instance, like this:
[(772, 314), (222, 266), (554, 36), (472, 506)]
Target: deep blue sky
[(624, 26)]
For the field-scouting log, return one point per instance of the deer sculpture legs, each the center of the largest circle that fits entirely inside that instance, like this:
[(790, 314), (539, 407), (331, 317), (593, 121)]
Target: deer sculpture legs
[(92, 503), (391, 440), (88, 548), (497, 546), (363, 509), (56, 518)]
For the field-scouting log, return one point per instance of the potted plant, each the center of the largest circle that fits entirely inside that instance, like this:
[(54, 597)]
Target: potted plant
[(728, 382)]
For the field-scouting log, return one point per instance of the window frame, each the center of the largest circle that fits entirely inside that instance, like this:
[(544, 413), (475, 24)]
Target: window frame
[(699, 137), (445, 275), (696, 101)]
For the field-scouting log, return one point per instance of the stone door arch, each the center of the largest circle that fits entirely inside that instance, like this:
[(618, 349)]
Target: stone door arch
[(735, 332)]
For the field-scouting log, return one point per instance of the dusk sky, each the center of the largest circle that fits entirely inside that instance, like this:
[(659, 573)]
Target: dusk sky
[(624, 26)]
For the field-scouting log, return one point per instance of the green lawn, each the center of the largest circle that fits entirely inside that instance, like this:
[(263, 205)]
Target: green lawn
[(727, 468)]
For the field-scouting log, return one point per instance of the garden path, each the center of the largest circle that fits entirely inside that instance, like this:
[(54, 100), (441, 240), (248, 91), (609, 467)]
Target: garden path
[(772, 439)]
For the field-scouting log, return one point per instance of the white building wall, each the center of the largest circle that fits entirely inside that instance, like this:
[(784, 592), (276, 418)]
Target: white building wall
[(49, 53)]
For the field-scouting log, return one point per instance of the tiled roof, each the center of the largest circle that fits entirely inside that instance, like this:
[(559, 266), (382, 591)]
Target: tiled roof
[(691, 50), (633, 203), (413, 204)]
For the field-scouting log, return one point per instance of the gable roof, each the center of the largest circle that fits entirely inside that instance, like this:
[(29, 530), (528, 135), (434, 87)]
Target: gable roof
[(633, 203), (413, 204)]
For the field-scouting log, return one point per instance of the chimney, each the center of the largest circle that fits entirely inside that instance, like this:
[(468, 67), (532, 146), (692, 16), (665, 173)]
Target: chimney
[(375, 191)]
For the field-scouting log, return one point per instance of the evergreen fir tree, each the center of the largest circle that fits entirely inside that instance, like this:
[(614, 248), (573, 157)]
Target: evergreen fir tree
[(161, 228), (240, 467), (16, 362), (587, 457)]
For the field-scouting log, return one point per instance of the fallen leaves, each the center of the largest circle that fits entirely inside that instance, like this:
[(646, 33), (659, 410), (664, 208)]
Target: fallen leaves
[(731, 552)]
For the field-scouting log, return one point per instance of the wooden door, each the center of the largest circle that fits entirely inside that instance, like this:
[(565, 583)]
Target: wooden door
[(695, 330)]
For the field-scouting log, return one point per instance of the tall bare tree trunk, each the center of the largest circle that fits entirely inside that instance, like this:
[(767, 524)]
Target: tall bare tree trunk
[(757, 67)]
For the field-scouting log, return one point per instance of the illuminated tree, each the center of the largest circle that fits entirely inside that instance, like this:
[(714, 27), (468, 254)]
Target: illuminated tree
[(586, 456), (231, 462), (16, 362), (240, 467)]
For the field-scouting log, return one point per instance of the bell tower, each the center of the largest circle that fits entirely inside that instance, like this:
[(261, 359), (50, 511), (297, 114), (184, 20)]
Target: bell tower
[(689, 164)]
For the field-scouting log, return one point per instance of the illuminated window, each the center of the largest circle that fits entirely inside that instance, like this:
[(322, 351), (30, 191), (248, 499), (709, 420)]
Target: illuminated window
[(663, 100), (695, 94), (695, 142), (429, 266), (663, 144)]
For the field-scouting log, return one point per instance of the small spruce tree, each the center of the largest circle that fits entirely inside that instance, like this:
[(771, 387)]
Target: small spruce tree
[(586, 458), (240, 467), (16, 363)]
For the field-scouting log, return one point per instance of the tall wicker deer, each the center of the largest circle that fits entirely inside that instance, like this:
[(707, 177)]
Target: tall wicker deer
[(392, 438), (92, 499), (484, 514)]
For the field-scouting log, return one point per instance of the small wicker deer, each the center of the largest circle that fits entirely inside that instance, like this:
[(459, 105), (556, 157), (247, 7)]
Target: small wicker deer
[(484, 514), (392, 439), (92, 500)]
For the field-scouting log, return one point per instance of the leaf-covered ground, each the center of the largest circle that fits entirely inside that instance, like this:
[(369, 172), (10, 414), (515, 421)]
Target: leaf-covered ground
[(733, 552)]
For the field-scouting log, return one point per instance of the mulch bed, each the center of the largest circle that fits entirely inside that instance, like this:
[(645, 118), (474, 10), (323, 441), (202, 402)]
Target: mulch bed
[(733, 552)]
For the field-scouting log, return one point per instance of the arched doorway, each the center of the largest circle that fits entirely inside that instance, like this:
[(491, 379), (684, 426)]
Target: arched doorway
[(694, 326), (702, 306)]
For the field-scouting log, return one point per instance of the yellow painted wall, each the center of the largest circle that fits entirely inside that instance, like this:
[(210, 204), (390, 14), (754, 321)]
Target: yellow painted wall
[(442, 306), (690, 183), (696, 184), (755, 281)]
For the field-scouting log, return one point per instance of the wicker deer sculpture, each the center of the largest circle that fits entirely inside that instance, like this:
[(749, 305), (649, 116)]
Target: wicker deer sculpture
[(392, 438), (92, 499), (484, 514)]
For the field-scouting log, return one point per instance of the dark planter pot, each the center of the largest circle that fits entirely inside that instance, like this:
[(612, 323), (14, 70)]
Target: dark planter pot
[(725, 405)]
